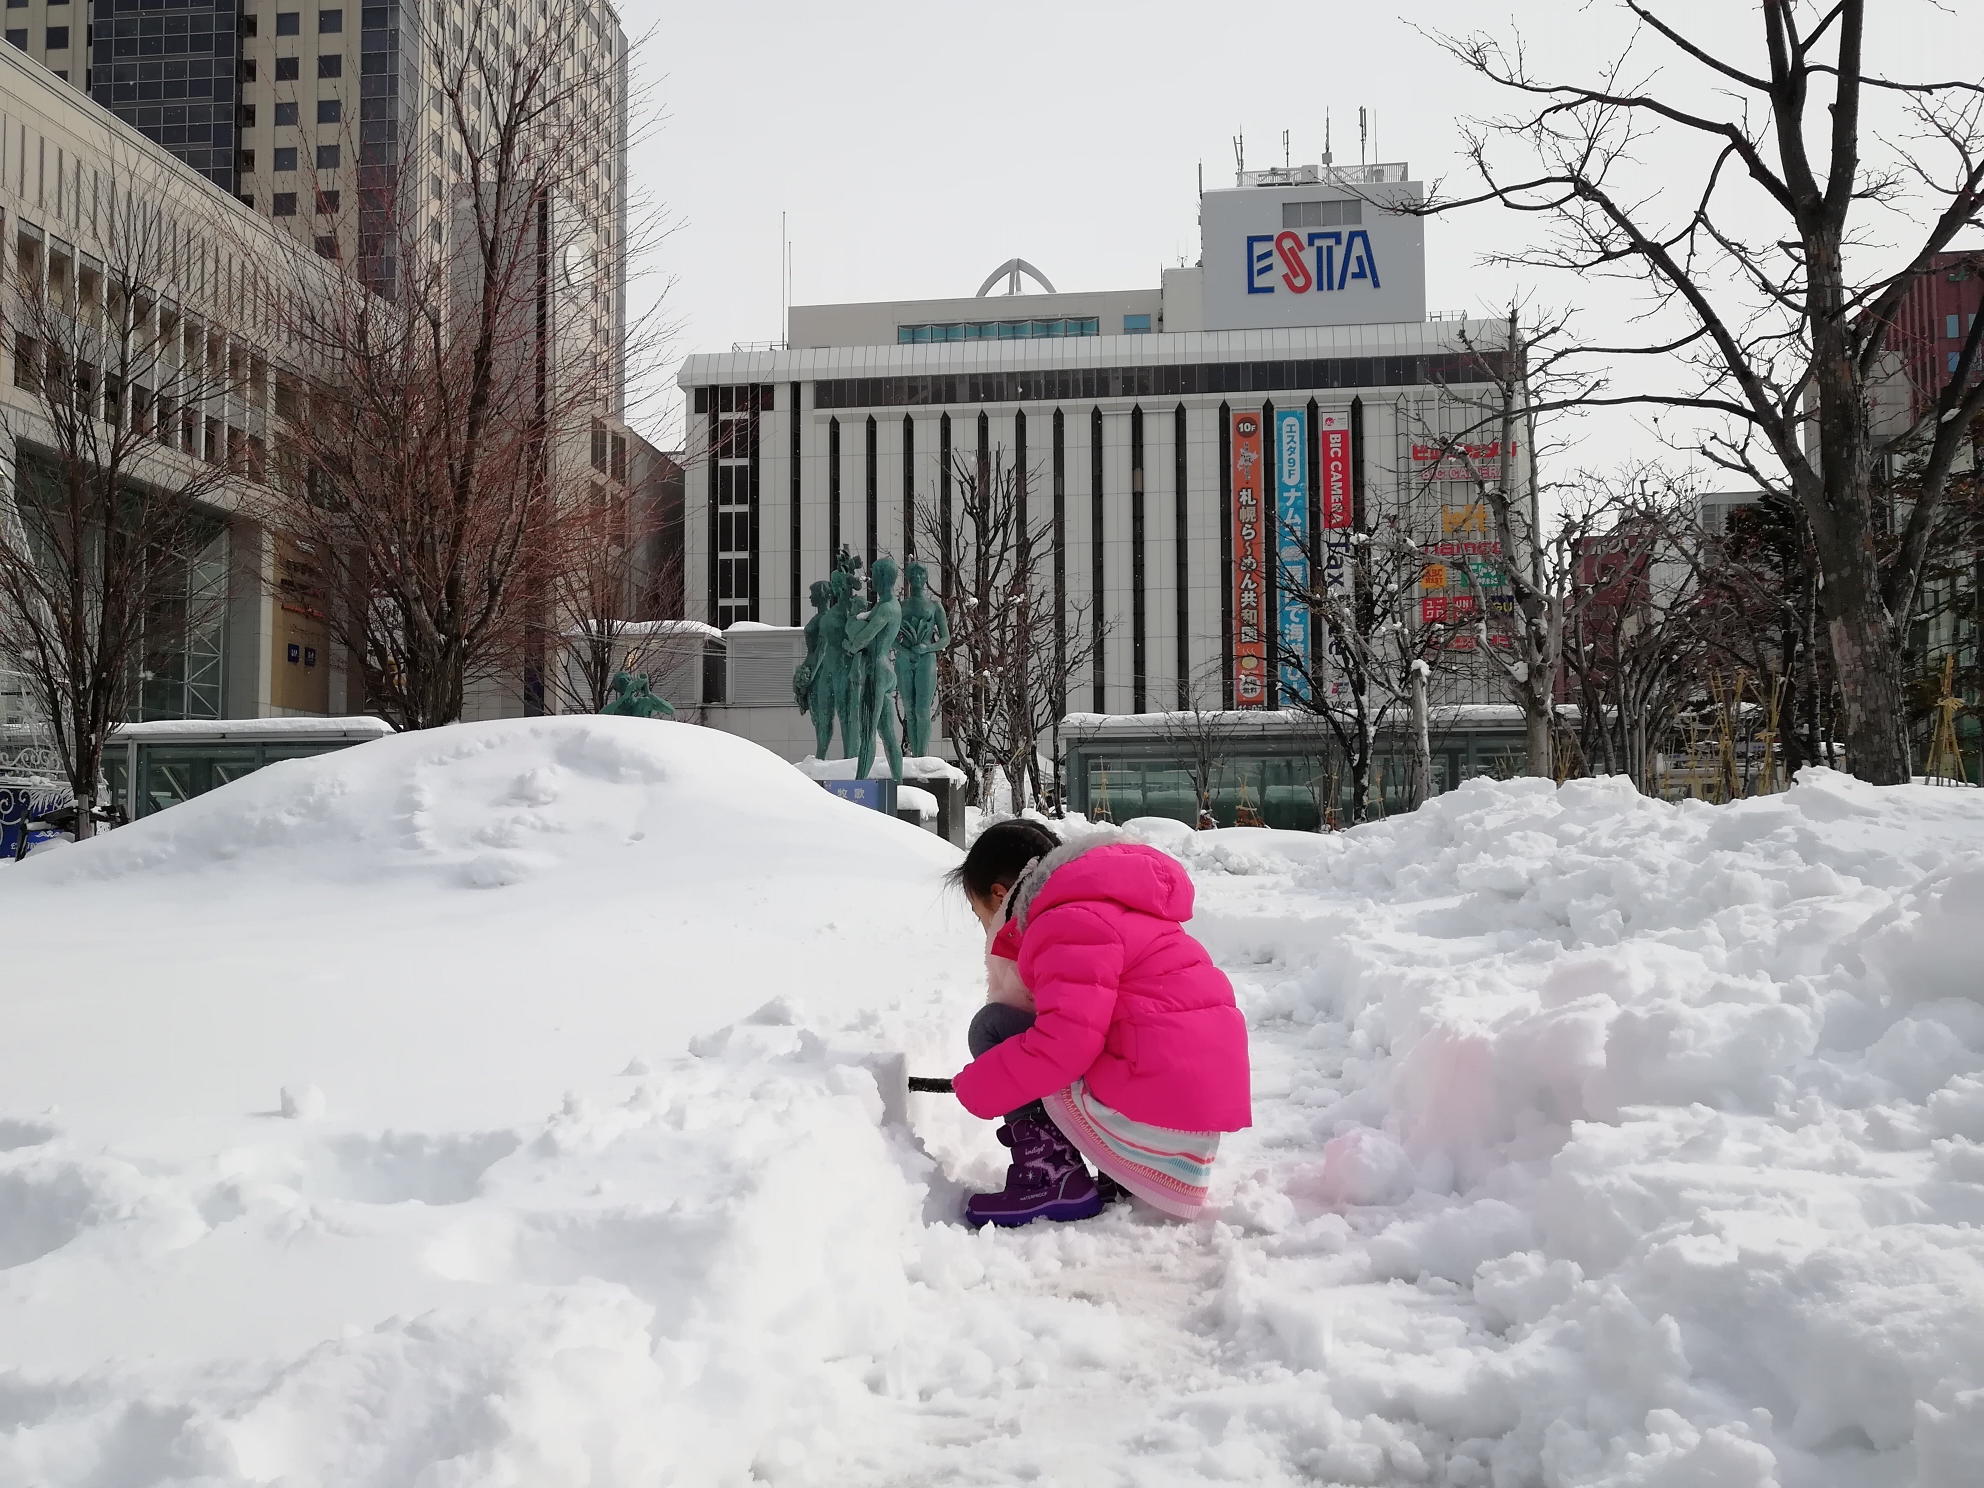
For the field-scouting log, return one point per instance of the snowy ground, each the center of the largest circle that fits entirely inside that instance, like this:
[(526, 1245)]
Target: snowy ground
[(1598, 1142)]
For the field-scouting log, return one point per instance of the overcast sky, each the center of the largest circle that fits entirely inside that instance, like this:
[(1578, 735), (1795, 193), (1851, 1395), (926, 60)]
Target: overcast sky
[(915, 146)]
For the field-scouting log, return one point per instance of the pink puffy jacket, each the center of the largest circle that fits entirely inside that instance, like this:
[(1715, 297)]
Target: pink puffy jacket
[(1122, 996)]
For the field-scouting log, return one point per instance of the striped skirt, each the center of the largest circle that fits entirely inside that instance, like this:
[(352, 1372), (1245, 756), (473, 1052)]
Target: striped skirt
[(1169, 1169)]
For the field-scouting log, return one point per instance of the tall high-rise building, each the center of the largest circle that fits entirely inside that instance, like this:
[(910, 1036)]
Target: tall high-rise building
[(284, 102), (1933, 320), (169, 73)]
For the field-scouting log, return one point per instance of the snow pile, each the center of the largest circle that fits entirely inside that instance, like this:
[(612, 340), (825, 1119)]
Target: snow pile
[(1655, 1129), (476, 1248), (510, 1105)]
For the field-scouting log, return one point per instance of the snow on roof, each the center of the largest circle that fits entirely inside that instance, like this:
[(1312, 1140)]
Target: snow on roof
[(1444, 716), (624, 628), (356, 726)]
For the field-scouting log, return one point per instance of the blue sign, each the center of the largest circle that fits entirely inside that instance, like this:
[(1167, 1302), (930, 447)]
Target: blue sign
[(17, 804), (876, 795), (1291, 467)]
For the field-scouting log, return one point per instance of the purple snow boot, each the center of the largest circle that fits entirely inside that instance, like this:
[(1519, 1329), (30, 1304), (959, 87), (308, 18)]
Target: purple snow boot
[(1048, 1180)]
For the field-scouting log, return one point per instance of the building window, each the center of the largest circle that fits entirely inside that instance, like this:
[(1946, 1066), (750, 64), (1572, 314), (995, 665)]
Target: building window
[(247, 162), (1950, 323), (330, 110), (1322, 214), (331, 64), (245, 24), (17, 4), (248, 116), (1136, 325), (999, 330), (58, 38), (18, 39), (327, 157), (289, 22), (285, 158), (248, 70), (283, 203), (1953, 361), (327, 202), (286, 69), (285, 114), (329, 21), (598, 446), (327, 247)]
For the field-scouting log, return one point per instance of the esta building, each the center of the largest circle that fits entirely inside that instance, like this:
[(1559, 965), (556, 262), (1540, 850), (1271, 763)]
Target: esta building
[(1285, 387)]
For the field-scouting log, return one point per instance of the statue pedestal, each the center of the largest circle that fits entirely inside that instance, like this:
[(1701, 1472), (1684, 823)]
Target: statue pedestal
[(927, 772), (877, 794)]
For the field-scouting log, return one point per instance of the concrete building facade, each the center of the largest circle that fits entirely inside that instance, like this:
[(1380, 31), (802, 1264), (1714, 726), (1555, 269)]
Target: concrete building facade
[(309, 110), (62, 160), (69, 171), (1297, 356)]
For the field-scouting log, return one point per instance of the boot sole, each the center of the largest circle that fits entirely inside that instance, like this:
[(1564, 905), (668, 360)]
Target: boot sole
[(1060, 1209)]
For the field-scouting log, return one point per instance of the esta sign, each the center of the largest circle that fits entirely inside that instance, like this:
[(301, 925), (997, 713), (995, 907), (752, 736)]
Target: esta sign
[(1324, 263), (1269, 265)]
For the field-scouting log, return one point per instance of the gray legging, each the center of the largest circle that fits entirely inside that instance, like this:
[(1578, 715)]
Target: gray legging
[(994, 1024)]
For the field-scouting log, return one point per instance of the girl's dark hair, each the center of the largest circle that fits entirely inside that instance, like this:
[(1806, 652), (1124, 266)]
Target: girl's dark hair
[(1001, 854)]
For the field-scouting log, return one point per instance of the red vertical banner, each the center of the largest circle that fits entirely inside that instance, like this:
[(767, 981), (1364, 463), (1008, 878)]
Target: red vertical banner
[(1333, 450), (1250, 565)]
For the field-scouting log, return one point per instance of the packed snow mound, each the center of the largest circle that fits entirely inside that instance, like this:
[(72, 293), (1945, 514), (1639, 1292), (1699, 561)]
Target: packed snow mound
[(1600, 1143), (490, 804), (461, 919)]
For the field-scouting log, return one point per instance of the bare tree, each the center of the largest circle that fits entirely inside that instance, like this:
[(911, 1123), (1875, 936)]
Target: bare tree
[(1517, 602), (437, 458), (1757, 610), (1760, 303), (126, 446), (1634, 650), (606, 593), (1381, 642), (1003, 682), (1203, 738)]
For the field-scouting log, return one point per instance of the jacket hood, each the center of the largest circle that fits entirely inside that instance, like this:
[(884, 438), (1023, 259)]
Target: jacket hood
[(1104, 866)]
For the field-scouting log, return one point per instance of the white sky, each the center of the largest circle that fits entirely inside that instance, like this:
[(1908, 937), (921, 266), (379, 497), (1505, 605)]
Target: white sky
[(916, 146)]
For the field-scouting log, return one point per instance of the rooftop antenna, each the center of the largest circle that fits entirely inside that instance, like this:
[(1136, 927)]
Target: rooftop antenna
[(1363, 134), (1284, 150), (784, 278), (1240, 151), (1328, 157), (1202, 180)]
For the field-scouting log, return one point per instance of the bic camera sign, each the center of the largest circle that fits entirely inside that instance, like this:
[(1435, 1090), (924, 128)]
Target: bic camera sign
[(1267, 267)]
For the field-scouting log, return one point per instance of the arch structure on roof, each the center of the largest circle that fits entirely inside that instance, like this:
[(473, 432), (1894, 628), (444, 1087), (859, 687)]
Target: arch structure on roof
[(1010, 271)]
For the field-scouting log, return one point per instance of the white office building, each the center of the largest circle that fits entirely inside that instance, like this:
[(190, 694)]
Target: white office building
[(1292, 370)]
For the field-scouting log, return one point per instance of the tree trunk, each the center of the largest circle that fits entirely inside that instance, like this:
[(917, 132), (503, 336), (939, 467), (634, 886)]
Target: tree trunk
[(85, 816), (1360, 784), (1869, 668), (1422, 744), (1536, 738)]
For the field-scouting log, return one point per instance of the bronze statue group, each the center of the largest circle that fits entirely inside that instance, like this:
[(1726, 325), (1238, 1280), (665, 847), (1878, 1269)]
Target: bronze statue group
[(860, 661)]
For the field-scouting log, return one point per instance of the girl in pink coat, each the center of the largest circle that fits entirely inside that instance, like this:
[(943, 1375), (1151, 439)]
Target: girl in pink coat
[(1110, 1035)]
